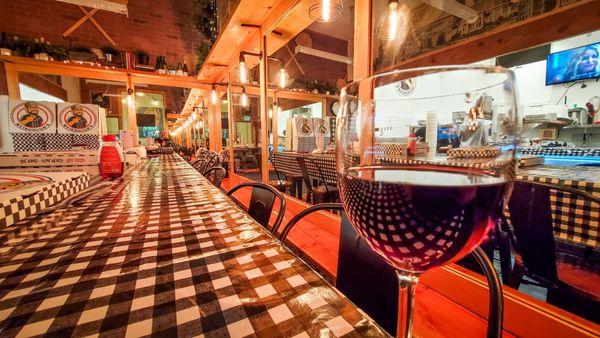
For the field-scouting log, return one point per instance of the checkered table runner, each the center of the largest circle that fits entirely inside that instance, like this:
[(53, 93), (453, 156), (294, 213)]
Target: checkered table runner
[(575, 219), (163, 252), (562, 151), (20, 208)]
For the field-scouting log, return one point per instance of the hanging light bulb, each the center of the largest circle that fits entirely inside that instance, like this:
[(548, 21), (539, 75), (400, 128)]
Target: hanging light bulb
[(282, 78), (244, 97), (393, 24), (194, 116), (213, 95), (325, 10), (243, 72)]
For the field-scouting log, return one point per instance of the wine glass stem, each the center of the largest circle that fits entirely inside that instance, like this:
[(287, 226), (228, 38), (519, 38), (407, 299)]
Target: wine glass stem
[(407, 284)]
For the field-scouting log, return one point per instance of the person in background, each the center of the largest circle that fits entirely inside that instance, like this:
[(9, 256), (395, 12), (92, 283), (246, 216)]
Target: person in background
[(473, 133), (582, 65), (163, 139)]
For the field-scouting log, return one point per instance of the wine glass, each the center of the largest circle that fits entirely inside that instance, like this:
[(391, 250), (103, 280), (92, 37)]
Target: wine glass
[(426, 158)]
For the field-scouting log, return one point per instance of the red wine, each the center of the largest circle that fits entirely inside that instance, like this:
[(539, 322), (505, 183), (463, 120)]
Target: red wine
[(420, 217)]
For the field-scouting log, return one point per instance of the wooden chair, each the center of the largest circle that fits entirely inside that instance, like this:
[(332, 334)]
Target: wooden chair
[(573, 282), (261, 204), (215, 175)]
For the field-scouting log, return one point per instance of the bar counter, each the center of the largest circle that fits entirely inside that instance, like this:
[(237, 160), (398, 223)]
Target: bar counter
[(162, 251)]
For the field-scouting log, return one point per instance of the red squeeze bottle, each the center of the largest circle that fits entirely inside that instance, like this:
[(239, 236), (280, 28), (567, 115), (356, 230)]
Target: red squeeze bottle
[(412, 144), (111, 162)]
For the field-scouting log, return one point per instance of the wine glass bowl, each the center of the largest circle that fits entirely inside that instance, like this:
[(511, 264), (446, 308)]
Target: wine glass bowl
[(425, 160)]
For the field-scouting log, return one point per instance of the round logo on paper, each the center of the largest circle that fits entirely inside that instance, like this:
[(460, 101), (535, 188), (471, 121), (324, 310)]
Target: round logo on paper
[(31, 116), (406, 86), (305, 126), (77, 118), (321, 127)]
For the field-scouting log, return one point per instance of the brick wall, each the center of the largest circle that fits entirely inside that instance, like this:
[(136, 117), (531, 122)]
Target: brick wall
[(160, 27)]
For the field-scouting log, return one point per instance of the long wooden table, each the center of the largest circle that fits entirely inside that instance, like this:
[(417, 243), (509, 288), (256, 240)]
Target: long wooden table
[(163, 252)]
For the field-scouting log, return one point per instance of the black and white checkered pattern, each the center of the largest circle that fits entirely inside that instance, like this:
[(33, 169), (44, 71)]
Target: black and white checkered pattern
[(49, 141), (574, 219), (20, 208), (471, 152), (562, 151), (168, 254)]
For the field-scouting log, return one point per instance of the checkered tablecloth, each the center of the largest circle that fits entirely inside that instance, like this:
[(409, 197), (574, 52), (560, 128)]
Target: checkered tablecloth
[(286, 163), (165, 253), (575, 219)]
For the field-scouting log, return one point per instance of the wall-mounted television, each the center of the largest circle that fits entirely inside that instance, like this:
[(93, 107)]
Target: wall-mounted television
[(573, 64)]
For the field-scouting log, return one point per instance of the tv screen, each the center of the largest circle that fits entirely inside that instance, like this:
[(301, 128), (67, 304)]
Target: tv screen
[(573, 64)]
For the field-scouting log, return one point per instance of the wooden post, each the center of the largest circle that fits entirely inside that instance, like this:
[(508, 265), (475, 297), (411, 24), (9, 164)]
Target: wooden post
[(12, 83), (362, 68), (231, 122), (131, 111), (264, 109), (214, 125), (274, 123)]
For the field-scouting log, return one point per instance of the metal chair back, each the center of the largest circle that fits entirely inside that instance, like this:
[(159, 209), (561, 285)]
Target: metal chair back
[(215, 175), (262, 200)]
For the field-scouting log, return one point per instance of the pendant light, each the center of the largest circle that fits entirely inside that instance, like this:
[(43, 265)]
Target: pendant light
[(325, 10), (282, 78), (393, 24), (214, 99), (244, 97), (243, 70)]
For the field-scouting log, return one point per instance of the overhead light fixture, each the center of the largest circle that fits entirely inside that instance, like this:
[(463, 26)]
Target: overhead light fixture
[(243, 70), (194, 116), (393, 24), (244, 97), (214, 99), (325, 10)]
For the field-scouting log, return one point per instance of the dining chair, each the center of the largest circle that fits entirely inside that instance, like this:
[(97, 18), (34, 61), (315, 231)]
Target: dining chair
[(317, 193), (358, 266), (572, 281), (200, 165), (287, 165), (262, 200), (213, 161), (281, 184), (215, 175)]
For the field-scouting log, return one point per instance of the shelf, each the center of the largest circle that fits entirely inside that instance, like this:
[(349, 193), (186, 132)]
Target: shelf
[(74, 69)]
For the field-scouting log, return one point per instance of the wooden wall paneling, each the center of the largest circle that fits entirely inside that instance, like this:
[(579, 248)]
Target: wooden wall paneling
[(264, 110)]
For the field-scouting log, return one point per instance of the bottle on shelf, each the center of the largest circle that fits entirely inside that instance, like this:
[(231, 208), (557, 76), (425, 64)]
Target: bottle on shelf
[(179, 69), (157, 67), (185, 69), (43, 50), (5, 48), (36, 49)]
